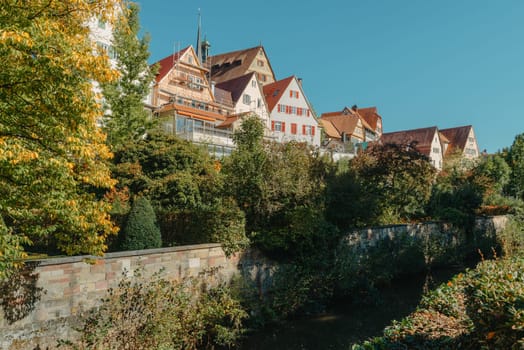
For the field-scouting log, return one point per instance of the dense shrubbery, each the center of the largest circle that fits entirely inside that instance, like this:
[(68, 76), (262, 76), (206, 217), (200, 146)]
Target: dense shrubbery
[(158, 313), (481, 308)]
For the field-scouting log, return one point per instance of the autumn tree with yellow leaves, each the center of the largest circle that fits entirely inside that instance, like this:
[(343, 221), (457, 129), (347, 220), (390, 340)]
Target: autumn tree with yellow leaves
[(53, 158)]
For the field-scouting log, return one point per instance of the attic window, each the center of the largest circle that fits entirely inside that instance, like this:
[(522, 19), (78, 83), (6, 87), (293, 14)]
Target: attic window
[(276, 92), (260, 63), (190, 59)]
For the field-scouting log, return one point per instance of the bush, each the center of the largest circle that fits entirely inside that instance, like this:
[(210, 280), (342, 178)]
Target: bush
[(158, 313), (141, 230), (480, 309)]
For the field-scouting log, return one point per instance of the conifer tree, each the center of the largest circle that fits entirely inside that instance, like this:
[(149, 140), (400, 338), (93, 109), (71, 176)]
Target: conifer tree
[(141, 229), (126, 119)]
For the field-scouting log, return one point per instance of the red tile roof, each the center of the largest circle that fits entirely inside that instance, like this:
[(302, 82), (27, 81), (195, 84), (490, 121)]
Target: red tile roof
[(423, 138), (236, 86), (343, 123), (166, 63), (192, 112), (228, 122), (458, 137), (347, 118), (330, 129), (370, 115), (274, 91)]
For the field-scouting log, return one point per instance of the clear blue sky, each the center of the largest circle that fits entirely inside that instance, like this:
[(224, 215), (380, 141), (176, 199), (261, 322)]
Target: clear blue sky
[(422, 63)]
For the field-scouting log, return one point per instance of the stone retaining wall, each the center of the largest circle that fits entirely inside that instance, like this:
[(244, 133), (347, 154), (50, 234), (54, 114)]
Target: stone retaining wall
[(72, 285)]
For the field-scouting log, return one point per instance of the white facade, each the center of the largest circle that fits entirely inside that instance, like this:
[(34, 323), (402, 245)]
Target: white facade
[(252, 100), (436, 153), (292, 118), (101, 33)]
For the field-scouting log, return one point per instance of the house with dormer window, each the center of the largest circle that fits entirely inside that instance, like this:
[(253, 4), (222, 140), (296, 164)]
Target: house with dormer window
[(231, 65), (291, 114), (248, 98)]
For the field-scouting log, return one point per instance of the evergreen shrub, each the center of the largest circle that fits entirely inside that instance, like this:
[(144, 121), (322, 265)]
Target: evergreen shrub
[(141, 230)]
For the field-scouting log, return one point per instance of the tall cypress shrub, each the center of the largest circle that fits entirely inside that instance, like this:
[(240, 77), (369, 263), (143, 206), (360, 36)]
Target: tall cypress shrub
[(141, 230)]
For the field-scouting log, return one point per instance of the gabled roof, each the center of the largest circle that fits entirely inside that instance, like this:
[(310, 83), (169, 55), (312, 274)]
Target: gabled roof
[(423, 138), (273, 92), (370, 115), (330, 129), (236, 86), (166, 63), (347, 117), (343, 123), (233, 64), (458, 137)]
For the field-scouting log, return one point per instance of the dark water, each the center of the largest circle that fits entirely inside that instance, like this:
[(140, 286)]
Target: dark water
[(345, 323)]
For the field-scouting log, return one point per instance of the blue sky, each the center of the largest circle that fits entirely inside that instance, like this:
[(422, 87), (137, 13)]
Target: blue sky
[(421, 63)]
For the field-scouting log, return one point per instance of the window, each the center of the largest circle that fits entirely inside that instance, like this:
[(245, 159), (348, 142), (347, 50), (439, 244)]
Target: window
[(190, 59), (259, 102), (254, 83), (260, 63), (293, 93), (299, 111), (293, 110), (278, 126), (308, 130), (246, 99), (261, 77), (436, 150), (294, 128)]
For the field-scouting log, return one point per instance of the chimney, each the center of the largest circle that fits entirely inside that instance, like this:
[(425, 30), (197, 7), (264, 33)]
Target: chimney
[(354, 107), (299, 81)]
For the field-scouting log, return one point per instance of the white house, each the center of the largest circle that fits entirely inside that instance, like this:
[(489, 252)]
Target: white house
[(292, 118)]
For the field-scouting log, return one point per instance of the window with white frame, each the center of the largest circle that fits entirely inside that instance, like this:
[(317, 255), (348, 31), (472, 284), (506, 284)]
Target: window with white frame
[(246, 99)]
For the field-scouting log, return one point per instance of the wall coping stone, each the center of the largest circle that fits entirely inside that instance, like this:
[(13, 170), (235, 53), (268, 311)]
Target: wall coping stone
[(123, 254)]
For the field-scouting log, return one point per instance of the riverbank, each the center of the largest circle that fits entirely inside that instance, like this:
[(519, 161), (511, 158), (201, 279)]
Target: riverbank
[(345, 322)]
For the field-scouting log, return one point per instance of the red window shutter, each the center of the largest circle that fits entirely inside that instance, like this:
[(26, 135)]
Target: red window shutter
[(279, 108), (303, 129), (272, 125), (313, 131), (293, 128), (290, 93), (283, 127)]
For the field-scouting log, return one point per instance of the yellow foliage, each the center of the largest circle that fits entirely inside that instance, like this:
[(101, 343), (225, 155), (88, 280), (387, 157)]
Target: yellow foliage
[(51, 147)]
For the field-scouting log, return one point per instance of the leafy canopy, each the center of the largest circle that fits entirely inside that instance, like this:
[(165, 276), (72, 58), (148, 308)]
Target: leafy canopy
[(126, 120), (51, 152)]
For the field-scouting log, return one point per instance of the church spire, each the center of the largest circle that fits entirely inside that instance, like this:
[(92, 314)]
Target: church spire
[(198, 43)]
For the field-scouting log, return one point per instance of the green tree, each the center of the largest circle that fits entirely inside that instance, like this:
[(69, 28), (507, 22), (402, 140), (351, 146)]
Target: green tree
[(515, 160), (127, 120), (456, 196), (245, 170), (398, 178), (51, 152), (141, 229), (186, 189)]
